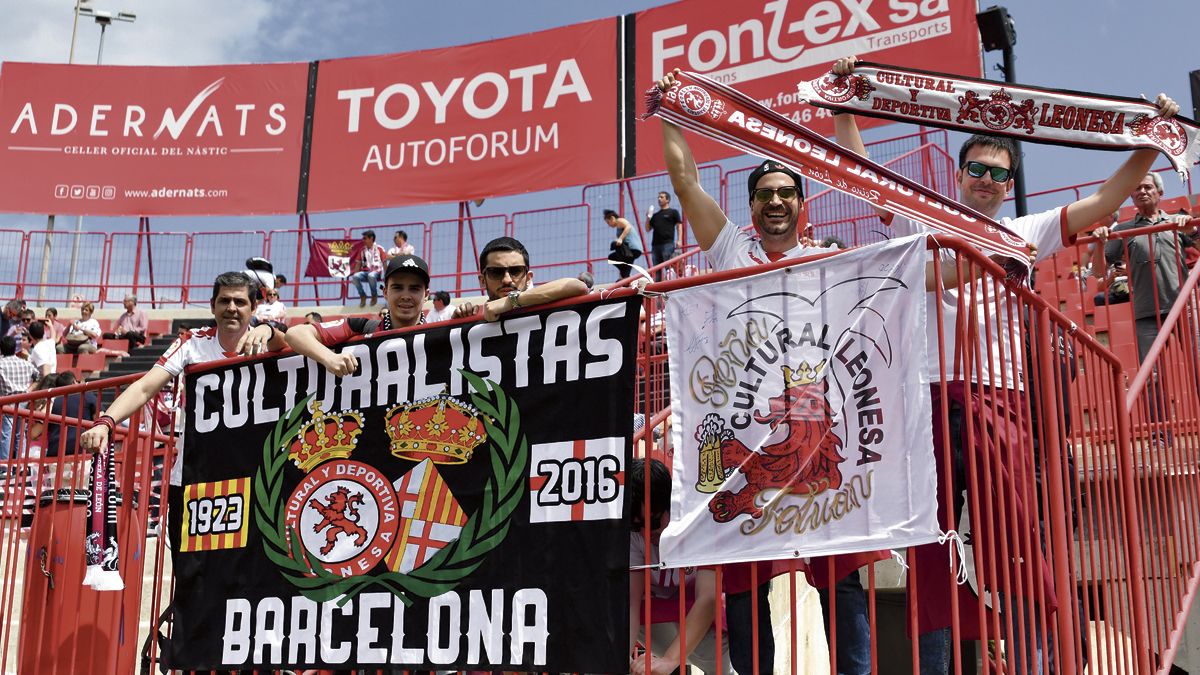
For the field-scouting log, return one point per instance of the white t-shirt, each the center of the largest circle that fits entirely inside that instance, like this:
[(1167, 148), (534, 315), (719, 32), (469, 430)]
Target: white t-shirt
[(735, 247), (434, 315), (91, 325), (1045, 230), (43, 353), (196, 346), (406, 249), (270, 310), (664, 582)]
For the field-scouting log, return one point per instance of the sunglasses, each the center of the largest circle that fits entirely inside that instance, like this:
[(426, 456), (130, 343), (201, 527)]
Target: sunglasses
[(786, 193), (498, 273), (977, 169)]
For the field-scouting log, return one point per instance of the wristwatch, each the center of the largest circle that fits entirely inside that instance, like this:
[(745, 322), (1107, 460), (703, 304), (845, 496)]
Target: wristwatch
[(515, 298)]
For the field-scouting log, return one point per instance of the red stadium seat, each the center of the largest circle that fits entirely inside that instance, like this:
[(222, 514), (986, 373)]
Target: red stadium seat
[(156, 327), (65, 362), (115, 344), (90, 363)]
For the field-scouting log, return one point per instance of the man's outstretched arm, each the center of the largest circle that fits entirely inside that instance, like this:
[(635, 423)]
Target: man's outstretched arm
[(704, 214)]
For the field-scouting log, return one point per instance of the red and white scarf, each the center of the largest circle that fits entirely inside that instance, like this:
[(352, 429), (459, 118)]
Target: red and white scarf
[(713, 110), (1071, 118)]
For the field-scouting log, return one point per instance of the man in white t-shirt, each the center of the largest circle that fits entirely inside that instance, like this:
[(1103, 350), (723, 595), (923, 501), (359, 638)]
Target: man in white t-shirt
[(42, 355), (442, 309), (233, 300), (270, 309), (984, 176), (368, 268), (400, 245)]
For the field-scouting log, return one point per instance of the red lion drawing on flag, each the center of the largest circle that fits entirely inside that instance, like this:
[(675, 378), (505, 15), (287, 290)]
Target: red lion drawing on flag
[(340, 516), (805, 461)]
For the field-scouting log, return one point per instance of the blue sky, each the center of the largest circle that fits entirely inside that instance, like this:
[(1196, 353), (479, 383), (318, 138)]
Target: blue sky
[(1121, 48)]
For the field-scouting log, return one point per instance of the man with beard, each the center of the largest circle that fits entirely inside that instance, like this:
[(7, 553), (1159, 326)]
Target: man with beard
[(405, 283), (984, 176), (505, 276), (776, 198)]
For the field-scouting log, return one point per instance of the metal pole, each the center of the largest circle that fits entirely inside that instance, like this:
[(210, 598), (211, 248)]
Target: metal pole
[(1010, 76), (48, 240), (79, 219)]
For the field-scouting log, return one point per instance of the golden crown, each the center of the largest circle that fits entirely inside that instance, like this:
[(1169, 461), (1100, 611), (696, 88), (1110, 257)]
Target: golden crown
[(325, 437), (802, 375), (439, 428)]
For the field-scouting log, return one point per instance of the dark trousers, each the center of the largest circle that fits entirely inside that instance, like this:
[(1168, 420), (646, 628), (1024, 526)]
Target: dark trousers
[(136, 339), (739, 615)]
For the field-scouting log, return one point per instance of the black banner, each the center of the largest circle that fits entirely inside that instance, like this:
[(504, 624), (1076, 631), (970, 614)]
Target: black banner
[(456, 503)]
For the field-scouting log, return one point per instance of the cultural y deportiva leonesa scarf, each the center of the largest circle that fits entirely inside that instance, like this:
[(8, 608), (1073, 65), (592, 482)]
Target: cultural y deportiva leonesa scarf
[(1041, 115), (715, 111)]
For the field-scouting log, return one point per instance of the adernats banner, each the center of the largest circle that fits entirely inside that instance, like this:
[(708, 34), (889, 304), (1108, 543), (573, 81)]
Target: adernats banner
[(129, 141), (763, 48), (801, 421), (432, 511), (508, 116)]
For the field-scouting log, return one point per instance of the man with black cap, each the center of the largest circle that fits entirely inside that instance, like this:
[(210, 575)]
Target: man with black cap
[(775, 195), (405, 284)]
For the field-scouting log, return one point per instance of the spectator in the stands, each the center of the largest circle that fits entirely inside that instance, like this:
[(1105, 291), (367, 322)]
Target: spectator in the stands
[(262, 271), (368, 268), (37, 423), (54, 329), (666, 228), (10, 315), (42, 354), (400, 245), (79, 408), (183, 329), (16, 377), (442, 309), (270, 309), (19, 331), (131, 325), (82, 334), (313, 317), (506, 278), (280, 281), (627, 246), (587, 279)]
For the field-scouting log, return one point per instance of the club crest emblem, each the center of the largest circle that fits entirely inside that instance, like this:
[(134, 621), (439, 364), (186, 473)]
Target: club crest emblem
[(1167, 134), (804, 459), (695, 101), (841, 89), (997, 112)]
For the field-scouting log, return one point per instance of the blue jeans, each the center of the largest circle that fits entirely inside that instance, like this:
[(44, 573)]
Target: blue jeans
[(372, 279), (934, 648), (6, 432), (853, 625), (739, 616), (660, 253)]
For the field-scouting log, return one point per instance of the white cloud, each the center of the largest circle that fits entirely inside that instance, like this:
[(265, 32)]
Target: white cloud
[(165, 33)]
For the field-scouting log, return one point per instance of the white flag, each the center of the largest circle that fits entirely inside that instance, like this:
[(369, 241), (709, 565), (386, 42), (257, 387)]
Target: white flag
[(800, 414)]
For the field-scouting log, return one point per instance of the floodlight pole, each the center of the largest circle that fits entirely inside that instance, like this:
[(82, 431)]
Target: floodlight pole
[(103, 19)]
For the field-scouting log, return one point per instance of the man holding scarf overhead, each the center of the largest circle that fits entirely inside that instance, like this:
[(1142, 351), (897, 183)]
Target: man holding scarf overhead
[(984, 177)]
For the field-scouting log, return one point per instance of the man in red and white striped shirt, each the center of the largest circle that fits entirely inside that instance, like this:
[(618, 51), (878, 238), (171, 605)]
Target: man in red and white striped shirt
[(368, 267)]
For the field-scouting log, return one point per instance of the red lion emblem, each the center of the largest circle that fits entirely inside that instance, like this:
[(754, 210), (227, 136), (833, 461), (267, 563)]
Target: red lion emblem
[(996, 112), (1167, 134), (839, 89), (805, 461), (340, 516)]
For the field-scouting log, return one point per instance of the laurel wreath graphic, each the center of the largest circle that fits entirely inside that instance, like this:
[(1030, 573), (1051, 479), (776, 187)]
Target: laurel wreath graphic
[(482, 533)]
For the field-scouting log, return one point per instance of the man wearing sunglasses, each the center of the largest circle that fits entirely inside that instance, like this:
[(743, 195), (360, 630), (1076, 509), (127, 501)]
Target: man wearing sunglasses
[(505, 276), (984, 177)]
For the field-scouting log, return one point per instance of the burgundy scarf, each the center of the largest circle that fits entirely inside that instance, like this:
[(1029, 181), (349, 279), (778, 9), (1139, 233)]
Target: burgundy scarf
[(100, 546), (1071, 118), (713, 110)]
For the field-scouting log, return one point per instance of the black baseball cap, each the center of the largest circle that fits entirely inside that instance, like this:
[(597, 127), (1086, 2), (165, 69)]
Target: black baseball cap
[(407, 263), (771, 166)]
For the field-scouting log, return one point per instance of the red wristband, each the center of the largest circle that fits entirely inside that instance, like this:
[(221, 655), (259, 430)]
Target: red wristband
[(107, 421)]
